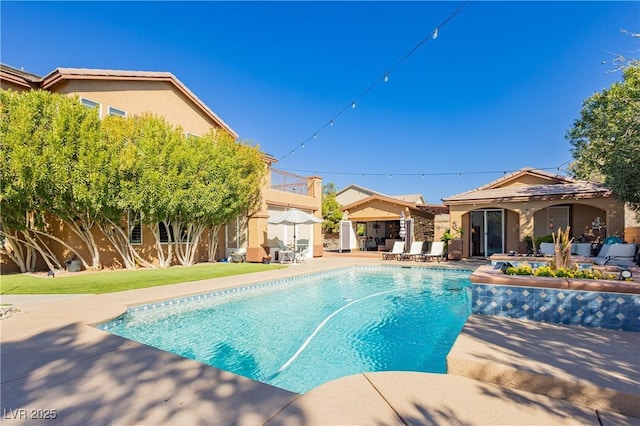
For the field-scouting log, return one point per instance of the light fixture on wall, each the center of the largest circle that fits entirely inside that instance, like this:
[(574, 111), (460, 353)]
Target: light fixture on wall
[(376, 226)]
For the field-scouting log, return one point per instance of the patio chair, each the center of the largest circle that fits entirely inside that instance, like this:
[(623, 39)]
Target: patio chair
[(616, 254), (301, 252), (414, 250), (239, 256), (398, 249), (437, 251)]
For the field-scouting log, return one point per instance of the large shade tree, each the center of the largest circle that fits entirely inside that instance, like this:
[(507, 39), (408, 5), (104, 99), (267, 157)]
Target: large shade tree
[(62, 163), (606, 138), (51, 166)]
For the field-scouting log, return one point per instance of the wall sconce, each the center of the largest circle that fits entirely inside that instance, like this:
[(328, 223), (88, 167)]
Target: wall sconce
[(376, 226)]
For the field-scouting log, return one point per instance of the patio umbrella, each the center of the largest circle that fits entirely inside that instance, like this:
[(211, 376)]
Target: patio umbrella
[(294, 217), (403, 230)]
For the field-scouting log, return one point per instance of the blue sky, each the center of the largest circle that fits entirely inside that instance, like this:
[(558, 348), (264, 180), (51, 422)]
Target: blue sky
[(495, 91)]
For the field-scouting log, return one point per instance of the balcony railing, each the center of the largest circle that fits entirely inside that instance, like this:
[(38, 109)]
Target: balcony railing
[(288, 182)]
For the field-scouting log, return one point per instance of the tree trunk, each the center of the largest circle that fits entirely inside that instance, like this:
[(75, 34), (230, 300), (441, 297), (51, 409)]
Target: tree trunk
[(164, 261), (213, 242), (16, 251), (83, 230), (120, 241)]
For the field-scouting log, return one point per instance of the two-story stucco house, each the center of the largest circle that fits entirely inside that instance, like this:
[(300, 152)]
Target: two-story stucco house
[(125, 93)]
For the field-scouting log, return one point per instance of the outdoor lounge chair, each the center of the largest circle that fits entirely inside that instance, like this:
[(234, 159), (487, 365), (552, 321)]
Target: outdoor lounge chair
[(616, 254), (437, 251), (396, 252), (239, 256), (547, 249), (414, 250)]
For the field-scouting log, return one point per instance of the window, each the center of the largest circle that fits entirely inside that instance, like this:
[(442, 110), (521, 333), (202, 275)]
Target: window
[(135, 228), (116, 111), (166, 231), (190, 135), (91, 104)]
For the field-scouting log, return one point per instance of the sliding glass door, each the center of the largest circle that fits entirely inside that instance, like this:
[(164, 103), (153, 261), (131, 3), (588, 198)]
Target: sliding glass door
[(487, 235)]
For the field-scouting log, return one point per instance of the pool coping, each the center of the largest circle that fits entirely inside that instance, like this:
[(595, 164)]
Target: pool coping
[(53, 359)]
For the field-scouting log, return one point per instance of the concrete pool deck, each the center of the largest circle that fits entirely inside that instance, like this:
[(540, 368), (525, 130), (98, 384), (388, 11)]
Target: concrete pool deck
[(52, 359)]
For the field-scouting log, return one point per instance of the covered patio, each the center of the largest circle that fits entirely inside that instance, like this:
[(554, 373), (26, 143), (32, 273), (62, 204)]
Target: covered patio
[(376, 222), (501, 216)]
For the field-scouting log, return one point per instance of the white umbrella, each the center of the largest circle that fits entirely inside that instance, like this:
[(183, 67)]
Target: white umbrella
[(294, 217), (403, 230)]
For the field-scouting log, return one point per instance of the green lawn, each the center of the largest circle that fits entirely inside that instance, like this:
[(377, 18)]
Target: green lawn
[(111, 281)]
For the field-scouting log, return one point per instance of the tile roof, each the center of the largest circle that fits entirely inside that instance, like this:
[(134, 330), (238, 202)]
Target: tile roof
[(575, 190)]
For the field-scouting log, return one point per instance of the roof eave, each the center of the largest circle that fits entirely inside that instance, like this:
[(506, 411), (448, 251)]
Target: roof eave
[(524, 199)]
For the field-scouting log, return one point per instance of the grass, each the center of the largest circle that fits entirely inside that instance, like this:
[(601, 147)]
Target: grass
[(112, 281)]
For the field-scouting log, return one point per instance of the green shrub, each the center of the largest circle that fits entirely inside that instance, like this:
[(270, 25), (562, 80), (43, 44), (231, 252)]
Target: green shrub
[(523, 269), (544, 271), (586, 274), (564, 273), (544, 239)]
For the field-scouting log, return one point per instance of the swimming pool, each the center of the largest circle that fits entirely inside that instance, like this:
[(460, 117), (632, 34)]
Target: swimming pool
[(299, 333)]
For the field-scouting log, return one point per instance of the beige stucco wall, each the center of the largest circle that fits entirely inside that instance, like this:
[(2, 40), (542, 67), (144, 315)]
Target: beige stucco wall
[(351, 195), (139, 97), (378, 210), (525, 180), (257, 225), (7, 85)]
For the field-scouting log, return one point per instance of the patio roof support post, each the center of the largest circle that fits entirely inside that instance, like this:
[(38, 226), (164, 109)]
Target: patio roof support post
[(526, 227)]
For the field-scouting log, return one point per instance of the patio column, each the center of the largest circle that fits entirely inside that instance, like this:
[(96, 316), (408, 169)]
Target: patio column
[(526, 228), (256, 238)]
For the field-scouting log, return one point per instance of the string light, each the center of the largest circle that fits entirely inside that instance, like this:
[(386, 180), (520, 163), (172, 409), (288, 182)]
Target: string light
[(422, 174), (433, 35)]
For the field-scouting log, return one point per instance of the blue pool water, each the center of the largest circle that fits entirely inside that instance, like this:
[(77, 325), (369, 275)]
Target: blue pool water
[(298, 334)]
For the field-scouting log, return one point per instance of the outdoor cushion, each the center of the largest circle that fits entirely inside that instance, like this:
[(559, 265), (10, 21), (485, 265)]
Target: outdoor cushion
[(616, 254), (547, 249)]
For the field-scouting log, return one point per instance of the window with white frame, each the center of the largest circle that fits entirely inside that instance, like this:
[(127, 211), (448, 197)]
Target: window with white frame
[(190, 135), (117, 112), (91, 104)]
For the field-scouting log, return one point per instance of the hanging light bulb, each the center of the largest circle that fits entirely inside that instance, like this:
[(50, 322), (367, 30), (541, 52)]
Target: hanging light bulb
[(435, 33), (386, 78), (353, 104), (331, 123), (315, 135), (302, 145)]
